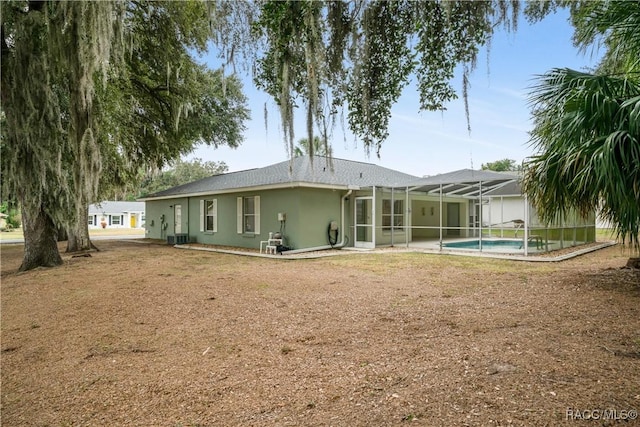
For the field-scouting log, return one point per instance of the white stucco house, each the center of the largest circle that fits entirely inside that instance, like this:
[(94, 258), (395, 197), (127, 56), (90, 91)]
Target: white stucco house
[(110, 214)]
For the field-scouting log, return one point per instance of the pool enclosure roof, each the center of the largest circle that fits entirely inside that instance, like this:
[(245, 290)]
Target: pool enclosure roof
[(465, 183)]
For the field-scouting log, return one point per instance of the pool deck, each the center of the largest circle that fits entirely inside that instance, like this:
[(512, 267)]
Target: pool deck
[(414, 247), (510, 255)]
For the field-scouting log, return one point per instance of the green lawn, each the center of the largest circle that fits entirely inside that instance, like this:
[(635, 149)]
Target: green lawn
[(604, 234)]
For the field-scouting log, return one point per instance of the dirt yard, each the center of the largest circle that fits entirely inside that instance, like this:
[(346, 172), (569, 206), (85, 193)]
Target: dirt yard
[(148, 335)]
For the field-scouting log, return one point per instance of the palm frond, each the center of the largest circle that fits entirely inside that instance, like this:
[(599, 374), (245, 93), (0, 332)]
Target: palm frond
[(587, 134)]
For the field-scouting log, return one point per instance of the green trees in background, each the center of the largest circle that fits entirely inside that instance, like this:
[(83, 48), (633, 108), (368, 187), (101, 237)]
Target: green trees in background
[(504, 165), (13, 215), (182, 172), (587, 125)]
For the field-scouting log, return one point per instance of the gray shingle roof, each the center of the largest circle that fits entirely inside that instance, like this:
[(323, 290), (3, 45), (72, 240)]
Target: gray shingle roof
[(116, 207), (513, 188), (323, 172)]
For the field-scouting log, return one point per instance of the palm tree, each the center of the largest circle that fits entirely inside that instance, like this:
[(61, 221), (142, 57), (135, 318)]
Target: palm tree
[(587, 126), (319, 149)]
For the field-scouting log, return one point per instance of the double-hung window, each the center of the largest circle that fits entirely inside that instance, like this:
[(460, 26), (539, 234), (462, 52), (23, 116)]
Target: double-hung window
[(248, 215), (393, 216), (209, 215)]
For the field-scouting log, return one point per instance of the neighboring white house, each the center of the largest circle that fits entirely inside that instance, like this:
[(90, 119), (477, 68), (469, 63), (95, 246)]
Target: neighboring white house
[(116, 215), (603, 223), (507, 206)]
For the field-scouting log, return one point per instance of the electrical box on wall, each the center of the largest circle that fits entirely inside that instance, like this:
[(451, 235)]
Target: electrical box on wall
[(282, 216)]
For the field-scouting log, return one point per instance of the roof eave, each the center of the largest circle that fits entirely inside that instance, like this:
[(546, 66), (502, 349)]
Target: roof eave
[(278, 186)]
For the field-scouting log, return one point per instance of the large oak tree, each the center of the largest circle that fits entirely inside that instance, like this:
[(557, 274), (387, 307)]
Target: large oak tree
[(94, 91), (52, 54), (356, 57)]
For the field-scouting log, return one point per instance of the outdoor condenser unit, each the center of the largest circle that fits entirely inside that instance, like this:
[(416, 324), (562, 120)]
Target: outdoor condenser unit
[(178, 239)]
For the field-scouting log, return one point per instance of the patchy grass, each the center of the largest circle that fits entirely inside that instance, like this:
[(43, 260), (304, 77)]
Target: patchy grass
[(144, 334)]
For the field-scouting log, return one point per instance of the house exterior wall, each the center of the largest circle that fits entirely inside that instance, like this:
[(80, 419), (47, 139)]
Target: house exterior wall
[(308, 213), (426, 213), (603, 223), (160, 221), (508, 208), (499, 213), (502, 210), (316, 209), (426, 224)]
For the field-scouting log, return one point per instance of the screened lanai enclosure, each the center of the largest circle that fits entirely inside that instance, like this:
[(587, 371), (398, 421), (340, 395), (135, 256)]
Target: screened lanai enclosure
[(466, 210)]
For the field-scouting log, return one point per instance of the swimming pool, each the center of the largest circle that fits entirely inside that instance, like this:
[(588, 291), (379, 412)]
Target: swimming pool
[(486, 244)]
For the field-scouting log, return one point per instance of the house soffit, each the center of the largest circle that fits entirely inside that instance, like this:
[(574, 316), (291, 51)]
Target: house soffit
[(252, 189)]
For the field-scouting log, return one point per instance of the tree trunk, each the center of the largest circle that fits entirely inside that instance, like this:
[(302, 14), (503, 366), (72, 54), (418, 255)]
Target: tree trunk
[(78, 232), (633, 263), (86, 168), (40, 238), (63, 236)]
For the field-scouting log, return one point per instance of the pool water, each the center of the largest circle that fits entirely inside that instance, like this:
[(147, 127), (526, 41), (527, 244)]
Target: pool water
[(486, 244)]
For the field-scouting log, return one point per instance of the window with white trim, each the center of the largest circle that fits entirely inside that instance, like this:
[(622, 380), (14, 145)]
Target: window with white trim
[(90, 220), (116, 220), (209, 215), (395, 216), (248, 215)]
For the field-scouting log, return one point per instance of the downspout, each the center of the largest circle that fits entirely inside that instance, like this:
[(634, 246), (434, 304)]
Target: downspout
[(325, 247), (342, 201)]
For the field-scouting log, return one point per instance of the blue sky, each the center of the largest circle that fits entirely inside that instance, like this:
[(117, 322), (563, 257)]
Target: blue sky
[(428, 143)]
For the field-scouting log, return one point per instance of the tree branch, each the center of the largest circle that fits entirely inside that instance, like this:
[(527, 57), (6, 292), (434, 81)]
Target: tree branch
[(36, 5)]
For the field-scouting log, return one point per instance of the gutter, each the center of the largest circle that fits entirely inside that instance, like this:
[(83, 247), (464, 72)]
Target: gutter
[(265, 187)]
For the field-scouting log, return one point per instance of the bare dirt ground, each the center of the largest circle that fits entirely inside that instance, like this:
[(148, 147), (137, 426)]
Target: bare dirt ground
[(148, 335)]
